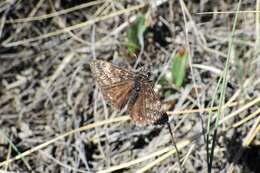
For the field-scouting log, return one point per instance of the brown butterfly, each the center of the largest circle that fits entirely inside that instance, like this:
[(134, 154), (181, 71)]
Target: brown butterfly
[(122, 87)]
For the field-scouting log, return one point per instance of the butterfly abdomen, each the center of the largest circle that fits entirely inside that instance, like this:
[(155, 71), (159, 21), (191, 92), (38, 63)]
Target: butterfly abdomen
[(162, 120)]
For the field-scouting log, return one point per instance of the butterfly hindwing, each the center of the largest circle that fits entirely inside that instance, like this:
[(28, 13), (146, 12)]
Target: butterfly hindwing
[(153, 106), (146, 109)]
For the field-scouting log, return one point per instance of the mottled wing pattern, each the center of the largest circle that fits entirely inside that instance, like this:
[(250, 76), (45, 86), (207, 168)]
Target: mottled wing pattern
[(115, 82), (153, 106), (108, 74), (118, 86), (118, 93), (146, 109)]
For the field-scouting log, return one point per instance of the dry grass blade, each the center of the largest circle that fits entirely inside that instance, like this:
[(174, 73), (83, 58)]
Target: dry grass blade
[(252, 133), (70, 28), (230, 12), (180, 145), (169, 151), (87, 127), (55, 119), (249, 117), (62, 12), (243, 108)]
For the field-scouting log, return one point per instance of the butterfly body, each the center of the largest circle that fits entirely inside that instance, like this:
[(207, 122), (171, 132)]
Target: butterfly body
[(135, 91), (125, 88)]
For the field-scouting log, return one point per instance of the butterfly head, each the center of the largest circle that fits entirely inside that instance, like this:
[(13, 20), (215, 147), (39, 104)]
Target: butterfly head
[(144, 72), (144, 76)]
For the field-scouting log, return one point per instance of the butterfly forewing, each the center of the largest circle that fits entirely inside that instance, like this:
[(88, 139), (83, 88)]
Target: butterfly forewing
[(118, 93), (108, 74), (115, 83)]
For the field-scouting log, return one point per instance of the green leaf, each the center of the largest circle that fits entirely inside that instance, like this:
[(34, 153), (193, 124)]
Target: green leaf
[(168, 93), (135, 34), (179, 67), (162, 80)]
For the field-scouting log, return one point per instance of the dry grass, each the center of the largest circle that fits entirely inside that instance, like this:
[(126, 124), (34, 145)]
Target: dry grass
[(54, 119)]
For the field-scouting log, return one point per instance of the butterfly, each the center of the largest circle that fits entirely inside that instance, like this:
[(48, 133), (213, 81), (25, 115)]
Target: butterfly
[(122, 88)]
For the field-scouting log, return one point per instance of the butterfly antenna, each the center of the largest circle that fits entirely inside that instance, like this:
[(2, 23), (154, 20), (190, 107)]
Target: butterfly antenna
[(175, 146)]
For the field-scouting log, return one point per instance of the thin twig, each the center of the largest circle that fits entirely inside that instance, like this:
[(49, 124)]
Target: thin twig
[(175, 146)]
